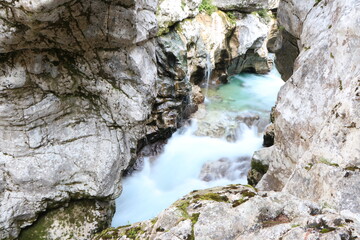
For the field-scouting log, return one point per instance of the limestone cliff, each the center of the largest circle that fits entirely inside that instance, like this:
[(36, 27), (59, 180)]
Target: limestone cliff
[(317, 117), (76, 91)]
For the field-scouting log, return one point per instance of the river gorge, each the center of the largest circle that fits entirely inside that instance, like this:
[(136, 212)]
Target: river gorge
[(232, 115), (145, 119)]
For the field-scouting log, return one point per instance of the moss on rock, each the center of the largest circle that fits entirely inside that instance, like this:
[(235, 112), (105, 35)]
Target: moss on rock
[(78, 220)]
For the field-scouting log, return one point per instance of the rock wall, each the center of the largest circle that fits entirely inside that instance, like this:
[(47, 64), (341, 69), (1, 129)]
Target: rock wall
[(317, 135), (77, 84)]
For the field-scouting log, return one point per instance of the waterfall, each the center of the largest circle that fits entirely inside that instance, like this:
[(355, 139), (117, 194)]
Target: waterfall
[(194, 158)]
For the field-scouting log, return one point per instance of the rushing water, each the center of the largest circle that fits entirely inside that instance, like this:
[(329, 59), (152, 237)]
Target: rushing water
[(192, 162), (208, 70)]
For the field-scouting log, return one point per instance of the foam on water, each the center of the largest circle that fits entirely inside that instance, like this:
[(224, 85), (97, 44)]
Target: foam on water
[(176, 171)]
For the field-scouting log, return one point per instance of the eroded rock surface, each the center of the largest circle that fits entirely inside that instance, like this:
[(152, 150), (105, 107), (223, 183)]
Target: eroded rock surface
[(317, 128), (76, 91), (240, 212)]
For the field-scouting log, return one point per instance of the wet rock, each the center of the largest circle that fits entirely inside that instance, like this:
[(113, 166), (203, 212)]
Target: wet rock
[(259, 166), (197, 96), (225, 168), (249, 118), (269, 136)]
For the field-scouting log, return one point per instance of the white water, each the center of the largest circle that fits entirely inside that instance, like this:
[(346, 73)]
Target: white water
[(176, 172), (208, 70)]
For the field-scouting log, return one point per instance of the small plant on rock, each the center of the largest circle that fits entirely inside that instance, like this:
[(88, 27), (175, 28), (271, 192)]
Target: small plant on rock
[(207, 7)]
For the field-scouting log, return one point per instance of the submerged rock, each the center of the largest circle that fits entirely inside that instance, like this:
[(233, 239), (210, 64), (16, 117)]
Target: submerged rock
[(225, 168)]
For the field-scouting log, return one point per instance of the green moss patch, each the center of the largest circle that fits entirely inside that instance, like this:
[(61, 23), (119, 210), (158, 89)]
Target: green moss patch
[(207, 7), (327, 162), (213, 197), (133, 233), (69, 220)]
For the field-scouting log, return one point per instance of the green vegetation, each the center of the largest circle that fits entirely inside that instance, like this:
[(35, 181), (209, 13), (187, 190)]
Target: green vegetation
[(326, 230), (317, 2), (259, 167), (264, 14), (68, 219), (325, 161), (133, 233), (212, 196), (321, 226), (239, 202), (340, 85), (232, 17), (309, 166), (109, 233), (207, 7), (331, 55), (352, 168), (247, 193), (194, 217), (154, 220), (182, 206)]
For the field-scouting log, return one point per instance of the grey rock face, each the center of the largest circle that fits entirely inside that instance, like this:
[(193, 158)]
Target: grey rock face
[(75, 93), (317, 135), (239, 212), (245, 5), (249, 45), (172, 11)]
